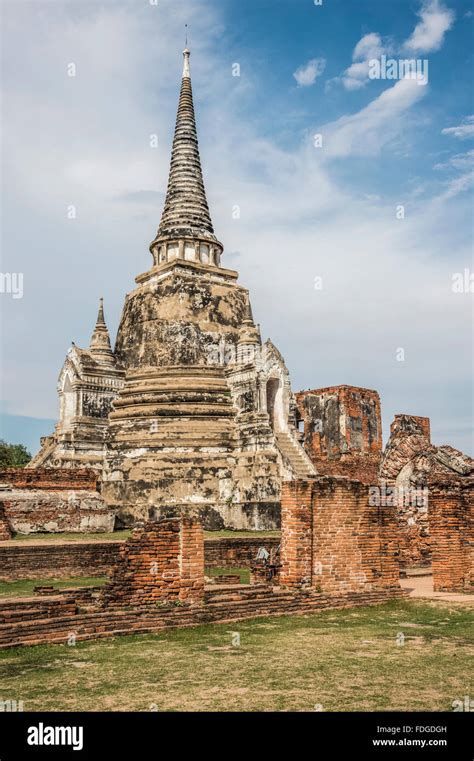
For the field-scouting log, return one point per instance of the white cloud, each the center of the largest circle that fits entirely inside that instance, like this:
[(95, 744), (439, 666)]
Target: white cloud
[(462, 131), (367, 131), (307, 74), (459, 161), (370, 46), (428, 35), (456, 186)]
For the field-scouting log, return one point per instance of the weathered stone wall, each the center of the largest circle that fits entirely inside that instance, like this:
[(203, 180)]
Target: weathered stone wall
[(333, 540), (342, 431), (451, 519), (174, 441), (34, 511), (236, 516), (162, 562), (182, 320), (53, 500)]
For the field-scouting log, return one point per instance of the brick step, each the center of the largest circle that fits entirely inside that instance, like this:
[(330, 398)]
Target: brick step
[(272, 600), (14, 616), (237, 592)]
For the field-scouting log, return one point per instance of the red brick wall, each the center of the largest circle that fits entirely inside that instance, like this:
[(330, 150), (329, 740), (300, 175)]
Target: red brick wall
[(64, 560), (405, 422), (61, 615), (191, 560), (332, 539), (296, 544), (161, 562), (354, 546), (57, 561), (50, 478), (235, 552), (357, 466), (451, 519)]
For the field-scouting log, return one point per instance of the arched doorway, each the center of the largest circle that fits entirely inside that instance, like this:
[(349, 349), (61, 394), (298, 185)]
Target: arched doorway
[(68, 401), (273, 401)]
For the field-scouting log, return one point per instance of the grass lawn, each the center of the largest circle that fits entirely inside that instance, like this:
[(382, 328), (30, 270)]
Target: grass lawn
[(125, 533), (341, 660), (244, 573), (25, 587), (67, 536)]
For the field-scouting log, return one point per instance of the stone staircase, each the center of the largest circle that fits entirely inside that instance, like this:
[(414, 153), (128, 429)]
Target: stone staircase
[(294, 455)]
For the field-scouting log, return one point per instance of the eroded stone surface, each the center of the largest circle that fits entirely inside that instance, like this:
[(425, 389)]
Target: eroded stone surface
[(53, 500)]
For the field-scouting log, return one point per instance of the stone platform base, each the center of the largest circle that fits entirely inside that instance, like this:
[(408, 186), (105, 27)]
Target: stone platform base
[(239, 516)]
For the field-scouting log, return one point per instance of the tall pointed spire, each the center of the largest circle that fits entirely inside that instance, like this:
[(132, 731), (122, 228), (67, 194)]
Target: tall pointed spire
[(100, 341), (186, 216)]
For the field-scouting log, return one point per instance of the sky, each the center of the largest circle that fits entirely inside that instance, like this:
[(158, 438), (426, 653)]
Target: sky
[(344, 200)]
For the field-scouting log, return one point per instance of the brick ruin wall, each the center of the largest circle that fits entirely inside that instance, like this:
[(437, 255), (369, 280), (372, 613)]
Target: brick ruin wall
[(409, 434), (52, 500), (158, 583), (236, 552), (66, 560), (414, 538), (411, 466), (334, 541), (163, 562), (451, 519), (66, 614), (342, 431), (5, 530), (57, 561), (50, 479)]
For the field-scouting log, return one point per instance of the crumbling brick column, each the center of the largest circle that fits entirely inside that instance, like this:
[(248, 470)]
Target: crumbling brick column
[(163, 562), (451, 519), (296, 539), (191, 560), (389, 547)]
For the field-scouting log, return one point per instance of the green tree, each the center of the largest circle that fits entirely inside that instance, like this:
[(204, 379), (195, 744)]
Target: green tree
[(13, 455)]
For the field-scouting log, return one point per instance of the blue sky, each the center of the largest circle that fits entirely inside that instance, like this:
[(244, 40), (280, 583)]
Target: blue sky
[(306, 212)]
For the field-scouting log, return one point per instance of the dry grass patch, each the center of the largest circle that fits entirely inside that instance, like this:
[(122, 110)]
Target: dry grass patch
[(343, 660)]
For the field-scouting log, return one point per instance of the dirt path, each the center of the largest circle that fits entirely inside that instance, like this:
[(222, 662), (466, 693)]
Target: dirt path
[(422, 586)]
